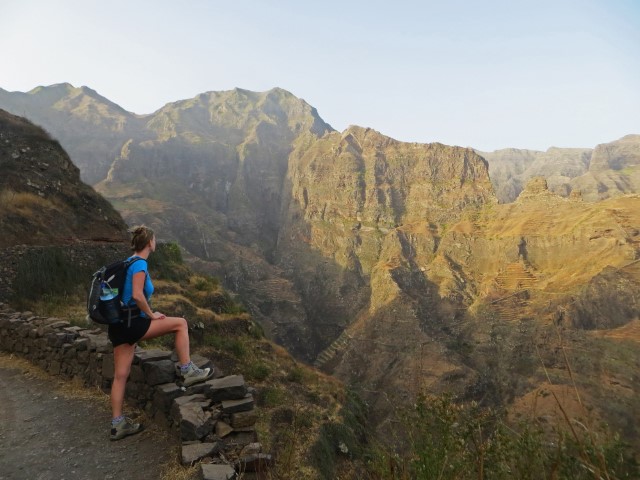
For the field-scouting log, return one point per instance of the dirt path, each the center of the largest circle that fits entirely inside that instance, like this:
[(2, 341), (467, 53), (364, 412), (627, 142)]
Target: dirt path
[(46, 434)]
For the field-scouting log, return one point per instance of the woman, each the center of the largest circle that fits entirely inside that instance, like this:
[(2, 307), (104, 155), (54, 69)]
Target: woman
[(124, 336)]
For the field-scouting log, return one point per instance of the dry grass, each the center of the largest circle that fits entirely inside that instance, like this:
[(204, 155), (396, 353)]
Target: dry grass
[(173, 470), (23, 203)]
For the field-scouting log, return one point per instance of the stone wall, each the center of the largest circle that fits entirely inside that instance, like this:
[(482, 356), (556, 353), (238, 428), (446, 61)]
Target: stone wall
[(214, 420)]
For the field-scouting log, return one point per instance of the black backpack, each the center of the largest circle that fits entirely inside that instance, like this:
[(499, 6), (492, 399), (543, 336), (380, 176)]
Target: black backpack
[(110, 311)]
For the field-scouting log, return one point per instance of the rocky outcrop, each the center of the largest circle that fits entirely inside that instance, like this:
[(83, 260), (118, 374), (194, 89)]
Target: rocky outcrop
[(43, 201)]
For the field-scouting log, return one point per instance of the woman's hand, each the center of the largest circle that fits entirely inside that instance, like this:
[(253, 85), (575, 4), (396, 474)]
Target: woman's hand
[(158, 316)]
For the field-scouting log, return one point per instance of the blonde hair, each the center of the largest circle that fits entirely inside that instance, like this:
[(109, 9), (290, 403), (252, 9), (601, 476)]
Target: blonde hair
[(141, 236)]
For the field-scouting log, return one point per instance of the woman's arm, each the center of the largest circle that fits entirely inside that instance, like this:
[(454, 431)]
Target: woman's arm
[(137, 293)]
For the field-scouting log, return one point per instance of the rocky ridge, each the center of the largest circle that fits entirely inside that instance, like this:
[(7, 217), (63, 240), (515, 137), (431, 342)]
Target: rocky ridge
[(609, 170)]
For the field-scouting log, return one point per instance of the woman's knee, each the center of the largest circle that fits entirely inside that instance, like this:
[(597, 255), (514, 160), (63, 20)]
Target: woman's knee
[(121, 374), (182, 324)]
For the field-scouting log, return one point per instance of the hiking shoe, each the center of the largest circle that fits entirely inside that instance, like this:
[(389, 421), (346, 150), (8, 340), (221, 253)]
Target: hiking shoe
[(123, 428), (195, 375)]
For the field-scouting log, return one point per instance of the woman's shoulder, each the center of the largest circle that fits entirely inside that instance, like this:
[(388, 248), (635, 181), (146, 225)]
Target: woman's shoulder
[(138, 264)]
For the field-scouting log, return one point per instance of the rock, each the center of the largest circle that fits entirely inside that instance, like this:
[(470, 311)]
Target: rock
[(57, 323), (107, 366), (226, 388), (195, 423), (157, 372), (217, 472), (143, 356), (136, 374), (196, 451), (180, 401), (234, 406), (164, 396), (223, 429), (251, 449), (99, 343), (81, 344), (244, 419)]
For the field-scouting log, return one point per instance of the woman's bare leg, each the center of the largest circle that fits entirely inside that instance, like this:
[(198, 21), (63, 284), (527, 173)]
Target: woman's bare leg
[(122, 359), (172, 325)]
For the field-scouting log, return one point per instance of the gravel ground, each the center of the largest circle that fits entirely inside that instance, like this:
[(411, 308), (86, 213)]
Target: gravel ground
[(46, 434)]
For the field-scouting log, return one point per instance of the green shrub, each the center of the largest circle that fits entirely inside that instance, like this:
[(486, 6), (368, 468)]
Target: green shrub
[(204, 283), (296, 375), (258, 371), (167, 263), (272, 397)]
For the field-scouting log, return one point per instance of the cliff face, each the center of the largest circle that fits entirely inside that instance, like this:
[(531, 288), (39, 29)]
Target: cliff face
[(609, 170), (43, 200), (362, 204)]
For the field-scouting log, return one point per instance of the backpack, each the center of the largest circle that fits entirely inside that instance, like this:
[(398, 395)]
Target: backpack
[(108, 283)]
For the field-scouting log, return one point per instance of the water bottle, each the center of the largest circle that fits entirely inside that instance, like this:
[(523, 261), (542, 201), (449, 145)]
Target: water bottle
[(107, 293), (109, 303)]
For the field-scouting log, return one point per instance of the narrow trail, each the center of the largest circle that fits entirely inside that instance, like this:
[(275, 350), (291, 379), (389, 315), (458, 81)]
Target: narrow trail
[(45, 435)]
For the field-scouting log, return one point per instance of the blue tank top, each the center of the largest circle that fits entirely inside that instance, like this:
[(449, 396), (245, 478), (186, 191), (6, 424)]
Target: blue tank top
[(138, 266)]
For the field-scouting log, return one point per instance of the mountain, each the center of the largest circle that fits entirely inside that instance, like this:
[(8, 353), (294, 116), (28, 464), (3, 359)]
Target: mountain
[(90, 127), (392, 265), (609, 170), (43, 199)]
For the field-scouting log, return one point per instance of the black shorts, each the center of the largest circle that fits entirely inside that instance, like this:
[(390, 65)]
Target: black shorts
[(120, 333)]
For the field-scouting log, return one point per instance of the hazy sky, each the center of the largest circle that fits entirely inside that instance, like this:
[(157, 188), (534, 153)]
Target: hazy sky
[(488, 74)]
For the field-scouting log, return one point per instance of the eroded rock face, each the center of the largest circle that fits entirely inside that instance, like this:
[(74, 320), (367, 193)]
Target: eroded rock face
[(609, 170), (360, 201)]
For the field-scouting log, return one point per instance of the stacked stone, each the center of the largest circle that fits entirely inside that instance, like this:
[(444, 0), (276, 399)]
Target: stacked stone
[(215, 419), (55, 345)]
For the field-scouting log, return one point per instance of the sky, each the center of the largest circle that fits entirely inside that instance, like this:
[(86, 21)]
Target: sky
[(485, 74)]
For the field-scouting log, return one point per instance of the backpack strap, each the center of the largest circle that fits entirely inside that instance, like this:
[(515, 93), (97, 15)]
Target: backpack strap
[(135, 308)]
